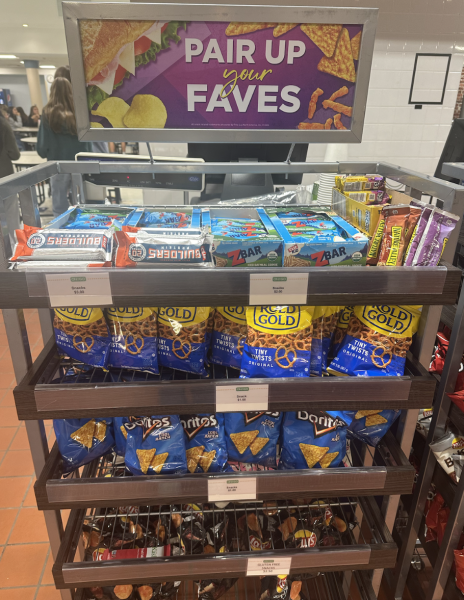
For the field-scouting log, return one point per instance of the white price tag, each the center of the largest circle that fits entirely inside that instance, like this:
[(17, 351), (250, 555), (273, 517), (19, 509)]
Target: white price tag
[(234, 488), (269, 566), (239, 398), (291, 288), (79, 289)]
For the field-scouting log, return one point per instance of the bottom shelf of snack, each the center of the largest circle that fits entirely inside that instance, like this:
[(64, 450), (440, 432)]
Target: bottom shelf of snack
[(318, 586), (162, 543), (107, 480)]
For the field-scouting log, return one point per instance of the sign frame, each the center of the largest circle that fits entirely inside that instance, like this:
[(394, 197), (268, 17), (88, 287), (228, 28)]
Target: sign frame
[(74, 11)]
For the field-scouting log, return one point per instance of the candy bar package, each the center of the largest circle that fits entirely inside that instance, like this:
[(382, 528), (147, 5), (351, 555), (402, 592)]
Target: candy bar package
[(58, 244), (418, 232), (140, 248), (228, 336), (252, 437), (370, 426), (314, 439), (155, 445), (205, 442), (82, 334), (436, 234), (134, 338), (82, 440), (182, 338), (393, 241), (278, 342), (376, 341)]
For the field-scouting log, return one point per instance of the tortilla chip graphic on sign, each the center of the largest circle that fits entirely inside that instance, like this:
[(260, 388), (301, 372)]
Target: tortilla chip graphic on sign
[(283, 28), (324, 36), (114, 109), (342, 63), (237, 28), (146, 111), (355, 45)]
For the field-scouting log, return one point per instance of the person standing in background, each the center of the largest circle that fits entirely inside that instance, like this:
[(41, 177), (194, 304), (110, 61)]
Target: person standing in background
[(57, 139), (34, 117), (9, 151)]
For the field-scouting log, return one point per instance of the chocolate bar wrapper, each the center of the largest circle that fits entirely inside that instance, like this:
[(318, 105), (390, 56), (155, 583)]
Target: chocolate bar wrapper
[(439, 228), (417, 234), (61, 244)]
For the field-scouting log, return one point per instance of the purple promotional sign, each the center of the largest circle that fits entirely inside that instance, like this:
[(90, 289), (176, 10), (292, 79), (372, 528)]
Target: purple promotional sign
[(219, 75)]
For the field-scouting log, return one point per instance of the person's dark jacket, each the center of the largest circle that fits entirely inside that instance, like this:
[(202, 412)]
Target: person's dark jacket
[(8, 148), (58, 146)]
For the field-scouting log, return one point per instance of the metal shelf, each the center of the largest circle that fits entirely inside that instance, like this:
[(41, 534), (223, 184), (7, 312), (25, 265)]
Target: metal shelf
[(40, 396), (355, 549), (457, 417), (231, 287), (105, 482), (326, 586)]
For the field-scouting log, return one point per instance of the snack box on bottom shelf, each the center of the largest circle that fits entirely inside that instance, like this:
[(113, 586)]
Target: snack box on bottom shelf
[(340, 245), (261, 250), (363, 216)]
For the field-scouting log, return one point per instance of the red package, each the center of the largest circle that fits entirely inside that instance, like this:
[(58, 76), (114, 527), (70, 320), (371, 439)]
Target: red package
[(443, 516), (459, 561), (431, 518)]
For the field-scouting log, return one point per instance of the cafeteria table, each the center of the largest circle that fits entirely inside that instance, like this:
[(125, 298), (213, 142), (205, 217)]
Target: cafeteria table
[(32, 140)]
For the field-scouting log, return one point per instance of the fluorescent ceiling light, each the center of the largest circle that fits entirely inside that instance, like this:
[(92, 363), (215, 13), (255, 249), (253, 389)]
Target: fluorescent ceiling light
[(8, 56), (21, 61), (47, 66), (25, 25)]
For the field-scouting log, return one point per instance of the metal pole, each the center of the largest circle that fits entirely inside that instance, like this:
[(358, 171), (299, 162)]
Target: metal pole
[(441, 408)]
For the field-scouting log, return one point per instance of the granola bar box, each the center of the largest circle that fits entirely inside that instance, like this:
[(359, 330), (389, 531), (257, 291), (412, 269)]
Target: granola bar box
[(243, 237), (318, 238)]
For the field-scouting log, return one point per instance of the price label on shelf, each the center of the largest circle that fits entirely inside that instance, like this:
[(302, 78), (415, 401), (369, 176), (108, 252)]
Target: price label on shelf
[(79, 289), (269, 566), (239, 398), (234, 488), (291, 288)]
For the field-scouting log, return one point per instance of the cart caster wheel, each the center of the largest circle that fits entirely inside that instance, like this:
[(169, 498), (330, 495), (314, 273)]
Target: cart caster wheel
[(417, 563)]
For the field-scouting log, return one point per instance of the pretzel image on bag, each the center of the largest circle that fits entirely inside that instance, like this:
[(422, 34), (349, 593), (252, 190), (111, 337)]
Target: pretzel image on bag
[(134, 338), (376, 341), (325, 320), (182, 338), (229, 335), (278, 341), (82, 334)]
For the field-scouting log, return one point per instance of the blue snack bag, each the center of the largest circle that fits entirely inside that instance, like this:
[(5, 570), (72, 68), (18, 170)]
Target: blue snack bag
[(82, 440), (183, 338), (120, 434), (134, 338), (340, 329), (229, 335), (205, 443), (82, 334), (155, 445), (316, 438), (376, 341), (252, 437), (278, 341), (316, 341), (370, 426)]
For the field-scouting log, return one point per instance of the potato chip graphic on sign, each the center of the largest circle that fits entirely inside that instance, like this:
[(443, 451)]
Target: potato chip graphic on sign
[(146, 111), (112, 109)]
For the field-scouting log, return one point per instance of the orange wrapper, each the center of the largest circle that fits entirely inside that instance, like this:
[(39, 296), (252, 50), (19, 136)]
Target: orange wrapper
[(393, 242)]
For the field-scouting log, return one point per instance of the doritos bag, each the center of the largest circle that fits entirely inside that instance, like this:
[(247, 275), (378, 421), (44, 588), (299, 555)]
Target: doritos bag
[(155, 445), (376, 341), (120, 433), (134, 338), (316, 438), (229, 335), (278, 342), (82, 440), (182, 340), (340, 329), (205, 442), (252, 437), (370, 426), (82, 334)]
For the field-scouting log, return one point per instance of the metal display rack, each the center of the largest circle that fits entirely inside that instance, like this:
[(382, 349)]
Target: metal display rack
[(441, 557), (385, 472)]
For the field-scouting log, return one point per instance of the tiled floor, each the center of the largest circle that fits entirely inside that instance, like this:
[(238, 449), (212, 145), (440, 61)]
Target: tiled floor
[(25, 558)]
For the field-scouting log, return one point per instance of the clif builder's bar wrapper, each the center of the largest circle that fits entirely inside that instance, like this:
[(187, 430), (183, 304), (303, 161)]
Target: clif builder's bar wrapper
[(58, 244), (434, 238), (139, 248), (393, 246)]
